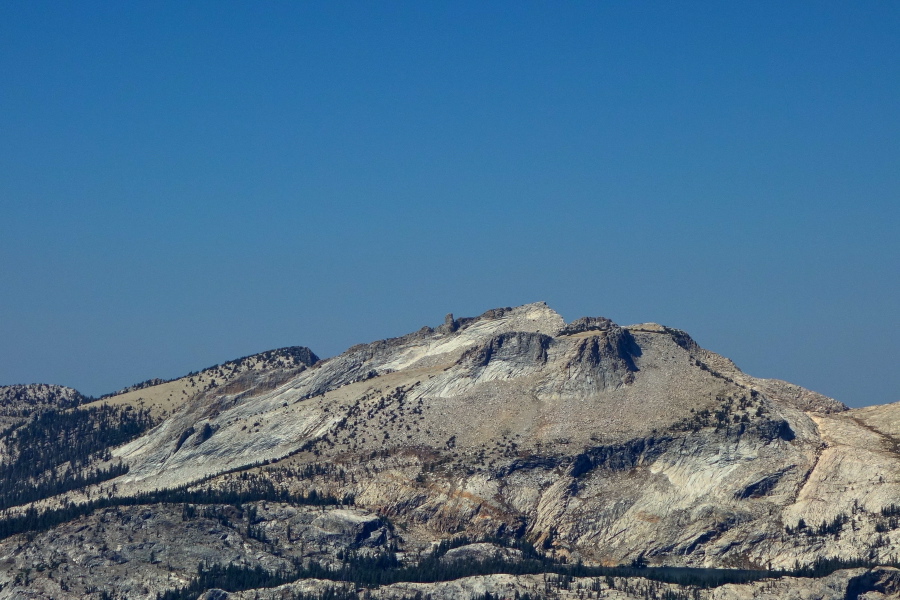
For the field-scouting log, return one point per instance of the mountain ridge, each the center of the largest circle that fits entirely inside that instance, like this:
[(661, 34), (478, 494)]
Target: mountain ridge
[(594, 442)]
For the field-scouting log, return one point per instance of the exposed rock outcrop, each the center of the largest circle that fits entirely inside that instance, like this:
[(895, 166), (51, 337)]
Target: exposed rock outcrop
[(24, 400), (594, 442)]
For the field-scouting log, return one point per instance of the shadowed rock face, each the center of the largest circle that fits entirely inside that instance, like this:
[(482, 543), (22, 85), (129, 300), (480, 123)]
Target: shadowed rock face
[(877, 583), (593, 441), (518, 347), (587, 324), (602, 360)]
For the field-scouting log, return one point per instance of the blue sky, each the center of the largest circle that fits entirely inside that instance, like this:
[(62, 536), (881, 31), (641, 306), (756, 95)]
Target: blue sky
[(185, 183)]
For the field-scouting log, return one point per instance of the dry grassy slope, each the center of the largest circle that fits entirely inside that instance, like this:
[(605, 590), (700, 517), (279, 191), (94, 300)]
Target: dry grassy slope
[(165, 398)]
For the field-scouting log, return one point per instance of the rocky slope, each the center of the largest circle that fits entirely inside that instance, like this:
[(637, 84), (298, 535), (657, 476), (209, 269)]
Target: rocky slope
[(21, 401), (162, 397), (594, 442), (18, 403)]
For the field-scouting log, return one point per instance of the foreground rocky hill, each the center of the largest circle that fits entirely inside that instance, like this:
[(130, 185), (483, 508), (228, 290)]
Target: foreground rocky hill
[(510, 453)]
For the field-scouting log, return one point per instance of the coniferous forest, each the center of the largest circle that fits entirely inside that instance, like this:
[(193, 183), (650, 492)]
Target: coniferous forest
[(370, 571), (50, 453)]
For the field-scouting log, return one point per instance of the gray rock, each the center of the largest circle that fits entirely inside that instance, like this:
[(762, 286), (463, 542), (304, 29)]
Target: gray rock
[(592, 441)]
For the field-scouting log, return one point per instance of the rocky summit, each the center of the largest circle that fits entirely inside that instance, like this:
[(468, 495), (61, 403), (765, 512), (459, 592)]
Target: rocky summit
[(506, 455)]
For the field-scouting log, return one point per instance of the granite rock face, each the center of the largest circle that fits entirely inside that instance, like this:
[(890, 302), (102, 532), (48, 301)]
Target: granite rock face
[(594, 442)]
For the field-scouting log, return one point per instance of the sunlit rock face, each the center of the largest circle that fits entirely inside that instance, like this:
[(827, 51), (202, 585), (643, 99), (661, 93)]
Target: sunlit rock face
[(593, 441)]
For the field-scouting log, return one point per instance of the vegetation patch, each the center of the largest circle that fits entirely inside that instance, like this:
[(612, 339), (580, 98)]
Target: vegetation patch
[(51, 453)]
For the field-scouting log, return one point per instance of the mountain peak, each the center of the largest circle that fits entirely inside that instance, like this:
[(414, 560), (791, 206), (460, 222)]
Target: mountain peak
[(21, 400), (591, 440), (535, 317)]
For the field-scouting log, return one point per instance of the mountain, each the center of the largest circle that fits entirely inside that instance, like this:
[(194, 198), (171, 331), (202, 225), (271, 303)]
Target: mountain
[(21, 401), (512, 450)]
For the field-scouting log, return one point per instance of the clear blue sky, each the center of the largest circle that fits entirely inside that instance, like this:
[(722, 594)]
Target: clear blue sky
[(182, 183)]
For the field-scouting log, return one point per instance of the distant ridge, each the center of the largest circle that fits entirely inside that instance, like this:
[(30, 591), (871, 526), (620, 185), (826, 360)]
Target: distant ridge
[(279, 357), (442, 461)]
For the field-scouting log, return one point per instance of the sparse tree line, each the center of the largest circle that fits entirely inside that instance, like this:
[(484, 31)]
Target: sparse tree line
[(33, 520), (886, 520), (732, 415), (370, 571), (51, 453)]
